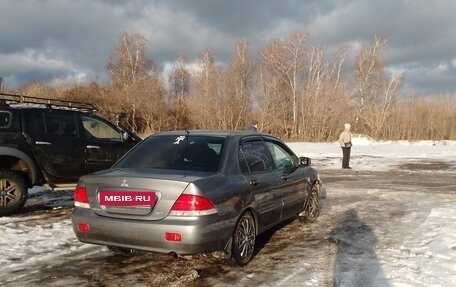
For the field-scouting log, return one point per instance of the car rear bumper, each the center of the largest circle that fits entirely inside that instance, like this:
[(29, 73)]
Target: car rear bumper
[(198, 234)]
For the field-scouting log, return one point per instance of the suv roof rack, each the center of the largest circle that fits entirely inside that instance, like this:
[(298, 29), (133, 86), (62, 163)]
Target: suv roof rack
[(7, 99)]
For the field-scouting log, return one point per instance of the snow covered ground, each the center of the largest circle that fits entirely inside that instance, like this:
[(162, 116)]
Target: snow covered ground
[(391, 221), (368, 154), (427, 256)]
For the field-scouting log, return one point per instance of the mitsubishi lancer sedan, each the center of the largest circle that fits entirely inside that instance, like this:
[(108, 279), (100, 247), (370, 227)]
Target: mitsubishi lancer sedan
[(192, 192)]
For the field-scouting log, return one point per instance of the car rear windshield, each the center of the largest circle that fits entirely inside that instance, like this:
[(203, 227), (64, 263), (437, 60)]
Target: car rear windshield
[(198, 153)]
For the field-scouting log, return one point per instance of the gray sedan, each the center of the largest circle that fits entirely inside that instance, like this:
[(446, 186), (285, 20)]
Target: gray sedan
[(198, 191)]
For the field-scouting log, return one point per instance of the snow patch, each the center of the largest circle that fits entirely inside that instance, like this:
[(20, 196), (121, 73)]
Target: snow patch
[(427, 256), (368, 154)]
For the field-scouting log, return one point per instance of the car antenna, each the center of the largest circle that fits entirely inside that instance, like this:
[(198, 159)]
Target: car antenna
[(187, 133)]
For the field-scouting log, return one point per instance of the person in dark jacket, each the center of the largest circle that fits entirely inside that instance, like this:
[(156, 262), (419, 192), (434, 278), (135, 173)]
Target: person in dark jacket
[(345, 139), (253, 126)]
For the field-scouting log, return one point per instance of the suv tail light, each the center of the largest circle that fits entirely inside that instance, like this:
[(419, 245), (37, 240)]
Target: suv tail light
[(192, 205), (80, 196)]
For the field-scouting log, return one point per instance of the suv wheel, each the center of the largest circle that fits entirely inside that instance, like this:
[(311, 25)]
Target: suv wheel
[(13, 192)]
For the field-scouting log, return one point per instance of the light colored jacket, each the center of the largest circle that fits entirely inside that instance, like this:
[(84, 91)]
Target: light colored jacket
[(345, 137)]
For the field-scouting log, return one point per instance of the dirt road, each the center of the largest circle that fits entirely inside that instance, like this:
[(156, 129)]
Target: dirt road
[(365, 216)]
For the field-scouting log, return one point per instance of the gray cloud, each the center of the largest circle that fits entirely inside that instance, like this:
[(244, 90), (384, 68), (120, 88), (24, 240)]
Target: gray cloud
[(71, 40)]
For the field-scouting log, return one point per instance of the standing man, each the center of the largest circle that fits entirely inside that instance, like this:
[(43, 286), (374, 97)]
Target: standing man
[(346, 144), (253, 126)]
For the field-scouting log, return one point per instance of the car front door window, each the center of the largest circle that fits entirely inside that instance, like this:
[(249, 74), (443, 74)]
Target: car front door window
[(96, 129), (283, 159)]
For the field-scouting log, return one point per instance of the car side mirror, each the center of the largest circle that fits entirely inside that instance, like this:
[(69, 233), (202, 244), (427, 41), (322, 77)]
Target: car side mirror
[(125, 137), (305, 161), (119, 117)]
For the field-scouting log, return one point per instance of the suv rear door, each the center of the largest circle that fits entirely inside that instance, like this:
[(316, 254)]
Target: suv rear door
[(102, 143), (54, 139)]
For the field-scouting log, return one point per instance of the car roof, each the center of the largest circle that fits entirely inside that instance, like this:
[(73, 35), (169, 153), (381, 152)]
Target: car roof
[(25, 107), (218, 133)]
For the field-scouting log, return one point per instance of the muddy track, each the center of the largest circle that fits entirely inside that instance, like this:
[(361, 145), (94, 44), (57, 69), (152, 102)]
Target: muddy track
[(363, 212)]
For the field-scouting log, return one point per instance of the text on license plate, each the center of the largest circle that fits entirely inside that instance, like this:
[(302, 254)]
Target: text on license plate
[(127, 198)]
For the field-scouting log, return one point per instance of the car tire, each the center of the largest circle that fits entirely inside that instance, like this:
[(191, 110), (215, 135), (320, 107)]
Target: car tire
[(243, 242), (13, 192), (312, 207)]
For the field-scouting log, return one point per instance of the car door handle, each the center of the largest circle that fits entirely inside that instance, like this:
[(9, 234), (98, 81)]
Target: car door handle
[(92, 147), (253, 182), (42, 143), (284, 177)]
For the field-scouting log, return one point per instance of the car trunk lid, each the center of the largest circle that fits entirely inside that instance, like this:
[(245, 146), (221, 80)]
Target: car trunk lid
[(162, 188)]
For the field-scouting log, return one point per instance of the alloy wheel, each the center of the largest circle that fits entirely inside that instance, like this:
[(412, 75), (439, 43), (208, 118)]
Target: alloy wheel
[(244, 239), (313, 208), (9, 192)]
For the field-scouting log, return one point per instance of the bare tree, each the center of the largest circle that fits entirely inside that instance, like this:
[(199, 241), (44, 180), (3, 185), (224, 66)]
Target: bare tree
[(273, 103), (202, 103), (375, 91), (323, 100), (234, 100), (128, 62), (136, 84), (179, 83), (285, 57), (179, 78), (369, 72)]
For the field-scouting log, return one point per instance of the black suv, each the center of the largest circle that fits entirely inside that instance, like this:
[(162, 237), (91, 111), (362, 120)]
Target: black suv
[(53, 144)]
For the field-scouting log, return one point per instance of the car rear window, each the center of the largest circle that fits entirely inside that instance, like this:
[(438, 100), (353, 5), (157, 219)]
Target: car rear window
[(198, 153)]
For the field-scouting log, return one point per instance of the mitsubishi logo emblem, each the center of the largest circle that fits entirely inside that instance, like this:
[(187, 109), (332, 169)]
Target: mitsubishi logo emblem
[(124, 183)]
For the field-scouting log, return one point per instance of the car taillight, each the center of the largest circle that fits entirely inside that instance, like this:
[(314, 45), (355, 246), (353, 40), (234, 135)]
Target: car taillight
[(173, 236), (80, 197), (84, 227), (192, 205)]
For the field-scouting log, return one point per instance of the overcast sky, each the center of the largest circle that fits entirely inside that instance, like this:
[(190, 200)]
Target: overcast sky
[(63, 40)]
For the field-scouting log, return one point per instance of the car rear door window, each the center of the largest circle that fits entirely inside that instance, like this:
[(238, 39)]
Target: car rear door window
[(256, 157), (60, 124), (34, 122)]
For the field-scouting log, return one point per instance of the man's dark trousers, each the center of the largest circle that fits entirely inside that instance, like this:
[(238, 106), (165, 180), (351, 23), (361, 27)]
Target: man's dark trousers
[(346, 157)]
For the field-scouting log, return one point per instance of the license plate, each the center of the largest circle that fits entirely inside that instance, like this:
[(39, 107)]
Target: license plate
[(127, 198)]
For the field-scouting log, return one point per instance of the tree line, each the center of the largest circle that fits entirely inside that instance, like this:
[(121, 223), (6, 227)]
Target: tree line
[(293, 88)]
